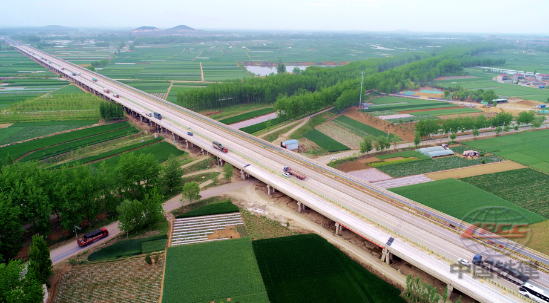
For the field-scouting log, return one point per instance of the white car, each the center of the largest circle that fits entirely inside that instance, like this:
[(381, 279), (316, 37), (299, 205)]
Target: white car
[(333, 158), (287, 175), (464, 262)]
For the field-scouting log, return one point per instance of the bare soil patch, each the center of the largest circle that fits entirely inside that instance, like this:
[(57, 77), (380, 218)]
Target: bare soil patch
[(403, 133), (351, 166), (6, 125), (429, 109), (475, 170), (212, 113), (368, 160), (229, 232)]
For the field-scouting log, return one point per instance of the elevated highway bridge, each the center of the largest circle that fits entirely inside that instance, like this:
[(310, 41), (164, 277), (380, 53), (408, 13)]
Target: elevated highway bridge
[(424, 237)]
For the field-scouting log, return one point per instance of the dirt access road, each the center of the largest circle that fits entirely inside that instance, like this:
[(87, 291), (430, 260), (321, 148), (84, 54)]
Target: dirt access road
[(70, 249)]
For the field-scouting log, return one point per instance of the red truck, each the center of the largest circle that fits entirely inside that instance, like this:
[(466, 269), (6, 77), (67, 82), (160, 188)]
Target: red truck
[(220, 147), (93, 236), (116, 95), (297, 174), (106, 90)]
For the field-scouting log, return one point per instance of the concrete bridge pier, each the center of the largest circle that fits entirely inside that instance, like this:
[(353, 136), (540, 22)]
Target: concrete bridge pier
[(202, 151), (242, 174), (187, 143), (270, 190), (449, 290), (336, 224), (141, 118), (386, 256), (174, 138)]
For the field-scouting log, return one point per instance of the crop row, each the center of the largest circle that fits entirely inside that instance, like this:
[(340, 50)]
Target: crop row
[(324, 141), (109, 153), (213, 271), (260, 126), (160, 151), (126, 248), (247, 116), (433, 165), (524, 187), (29, 132), (20, 149), (382, 163), (74, 145)]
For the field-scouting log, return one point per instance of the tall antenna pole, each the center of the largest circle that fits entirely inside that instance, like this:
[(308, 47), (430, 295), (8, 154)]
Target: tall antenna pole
[(361, 82)]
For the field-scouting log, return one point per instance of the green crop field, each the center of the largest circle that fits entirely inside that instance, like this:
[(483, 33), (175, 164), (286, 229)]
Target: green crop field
[(213, 272), (443, 112), (260, 126), (13, 63), (398, 104), (248, 115), (109, 153), (69, 89), (457, 199), (20, 149), (74, 145), (528, 148), (161, 151), (324, 141), (517, 60), (525, 187), (306, 268), (131, 247), (18, 90), (432, 165), (24, 131), (150, 87), (53, 107), (212, 209), (360, 128)]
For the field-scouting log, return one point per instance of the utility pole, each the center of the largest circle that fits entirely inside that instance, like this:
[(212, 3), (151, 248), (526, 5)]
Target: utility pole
[(361, 82)]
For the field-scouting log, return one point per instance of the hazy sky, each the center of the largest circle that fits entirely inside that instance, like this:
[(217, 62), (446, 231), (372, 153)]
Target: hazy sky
[(497, 16)]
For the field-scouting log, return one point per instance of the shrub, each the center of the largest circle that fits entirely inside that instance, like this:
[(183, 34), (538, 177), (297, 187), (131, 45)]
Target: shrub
[(148, 259), (212, 209)]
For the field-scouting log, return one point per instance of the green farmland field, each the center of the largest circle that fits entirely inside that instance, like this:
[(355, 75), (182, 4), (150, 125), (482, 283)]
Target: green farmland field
[(404, 154), (150, 87), (528, 148), (306, 268), (324, 141), (20, 149), (524, 187), (28, 130), (431, 165), (213, 271), (457, 198), (360, 128), (161, 151), (247, 115)]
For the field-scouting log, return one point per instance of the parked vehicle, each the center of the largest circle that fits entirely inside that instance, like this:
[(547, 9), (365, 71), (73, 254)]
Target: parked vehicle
[(93, 236), (157, 116), (300, 176), (220, 147)]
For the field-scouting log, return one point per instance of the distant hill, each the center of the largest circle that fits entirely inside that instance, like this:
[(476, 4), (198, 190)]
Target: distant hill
[(55, 28), (180, 28), (146, 29)]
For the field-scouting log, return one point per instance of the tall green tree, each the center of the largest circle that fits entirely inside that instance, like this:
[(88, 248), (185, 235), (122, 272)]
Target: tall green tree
[(39, 259), (191, 191), (489, 96), (11, 231), (16, 288), (281, 68), (130, 216), (367, 144), (172, 172)]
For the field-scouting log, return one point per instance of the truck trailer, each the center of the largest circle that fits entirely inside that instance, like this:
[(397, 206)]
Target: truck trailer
[(300, 176), (220, 147), (500, 268), (157, 116)]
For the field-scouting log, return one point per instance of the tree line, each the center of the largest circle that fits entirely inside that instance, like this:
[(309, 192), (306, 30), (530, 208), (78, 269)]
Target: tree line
[(31, 195), (502, 122), (111, 111)]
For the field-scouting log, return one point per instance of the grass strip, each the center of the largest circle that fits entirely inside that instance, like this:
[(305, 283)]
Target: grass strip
[(260, 126), (152, 246), (124, 248), (211, 209)]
